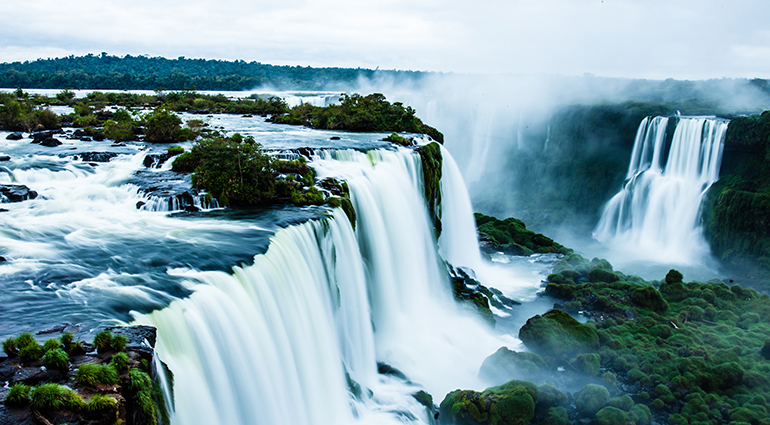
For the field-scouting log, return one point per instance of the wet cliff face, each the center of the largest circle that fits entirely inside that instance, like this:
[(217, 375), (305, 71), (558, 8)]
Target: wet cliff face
[(737, 207)]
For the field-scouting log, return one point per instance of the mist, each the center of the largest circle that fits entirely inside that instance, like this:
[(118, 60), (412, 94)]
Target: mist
[(552, 150)]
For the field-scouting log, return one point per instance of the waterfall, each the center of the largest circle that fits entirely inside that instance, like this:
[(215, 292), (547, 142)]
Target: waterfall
[(657, 212), (289, 338)]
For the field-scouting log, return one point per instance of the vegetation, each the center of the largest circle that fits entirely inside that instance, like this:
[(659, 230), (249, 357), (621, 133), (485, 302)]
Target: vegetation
[(93, 374), (54, 397), (360, 113), (103, 341), (18, 395), (56, 359), (430, 156), (512, 237), (18, 112), (119, 342), (512, 403), (120, 361), (737, 206), (558, 334), (142, 387), (148, 73)]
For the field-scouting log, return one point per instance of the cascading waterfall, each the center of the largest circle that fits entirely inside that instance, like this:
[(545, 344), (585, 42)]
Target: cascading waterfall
[(273, 342), (657, 212)]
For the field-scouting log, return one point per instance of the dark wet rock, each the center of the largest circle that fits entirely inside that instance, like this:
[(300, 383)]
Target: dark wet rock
[(15, 136), (53, 329), (43, 135), (99, 137), (335, 138), (386, 369), (2, 259), (5, 158), (306, 152), (141, 339), (16, 193), (96, 156), (156, 160), (3, 210), (140, 204), (50, 142), (191, 208)]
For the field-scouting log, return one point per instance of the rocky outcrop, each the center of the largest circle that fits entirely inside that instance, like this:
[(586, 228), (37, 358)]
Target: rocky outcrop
[(109, 380), (15, 193), (96, 156), (557, 334)]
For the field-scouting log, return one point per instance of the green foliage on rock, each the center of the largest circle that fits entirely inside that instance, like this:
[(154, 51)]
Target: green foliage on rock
[(162, 126), (512, 237), (119, 342), (56, 359), (512, 403), (505, 364), (430, 155), (93, 374), (558, 334), (18, 395), (237, 173), (360, 113), (591, 399), (103, 341), (141, 385), (53, 397), (589, 364), (120, 361)]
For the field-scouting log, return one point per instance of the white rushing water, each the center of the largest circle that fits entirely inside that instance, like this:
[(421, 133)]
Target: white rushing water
[(272, 342), (656, 215)]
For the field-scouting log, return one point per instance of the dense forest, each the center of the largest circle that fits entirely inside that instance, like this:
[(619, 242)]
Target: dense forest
[(149, 73)]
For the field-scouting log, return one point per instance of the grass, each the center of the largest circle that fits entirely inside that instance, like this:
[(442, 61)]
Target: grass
[(56, 359), (93, 374)]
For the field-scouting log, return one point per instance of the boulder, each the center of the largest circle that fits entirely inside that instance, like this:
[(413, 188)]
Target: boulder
[(15, 136), (5, 158), (506, 364), (512, 403), (16, 193), (557, 334), (50, 142), (96, 156)]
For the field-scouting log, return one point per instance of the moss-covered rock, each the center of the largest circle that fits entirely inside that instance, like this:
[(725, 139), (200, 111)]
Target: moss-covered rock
[(430, 155), (602, 275), (558, 334), (512, 403), (591, 398), (506, 364), (589, 364), (649, 298), (512, 237), (611, 416)]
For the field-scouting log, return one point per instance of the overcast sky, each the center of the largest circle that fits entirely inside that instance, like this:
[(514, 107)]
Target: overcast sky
[(683, 39)]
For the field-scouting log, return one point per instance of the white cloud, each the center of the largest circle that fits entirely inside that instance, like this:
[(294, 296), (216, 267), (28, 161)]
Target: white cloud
[(634, 38)]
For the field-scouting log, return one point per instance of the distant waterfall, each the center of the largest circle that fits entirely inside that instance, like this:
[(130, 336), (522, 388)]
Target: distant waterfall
[(288, 339), (656, 215)]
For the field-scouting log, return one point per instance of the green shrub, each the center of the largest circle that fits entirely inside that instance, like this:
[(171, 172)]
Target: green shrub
[(51, 344), (66, 339), (18, 395), (649, 298), (101, 402), (53, 397), (30, 352), (77, 348), (10, 348), (162, 126), (141, 385), (175, 150), (92, 374), (103, 341), (602, 275), (119, 342), (557, 416), (558, 334), (56, 359), (120, 361)]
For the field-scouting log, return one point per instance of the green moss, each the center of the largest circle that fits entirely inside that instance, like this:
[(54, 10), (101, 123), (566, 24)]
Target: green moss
[(550, 396), (649, 298), (625, 403), (505, 364), (424, 398), (30, 351), (101, 402), (512, 236), (611, 416), (558, 334), (556, 416), (589, 364), (591, 398), (602, 275), (51, 344), (430, 156), (512, 403)]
